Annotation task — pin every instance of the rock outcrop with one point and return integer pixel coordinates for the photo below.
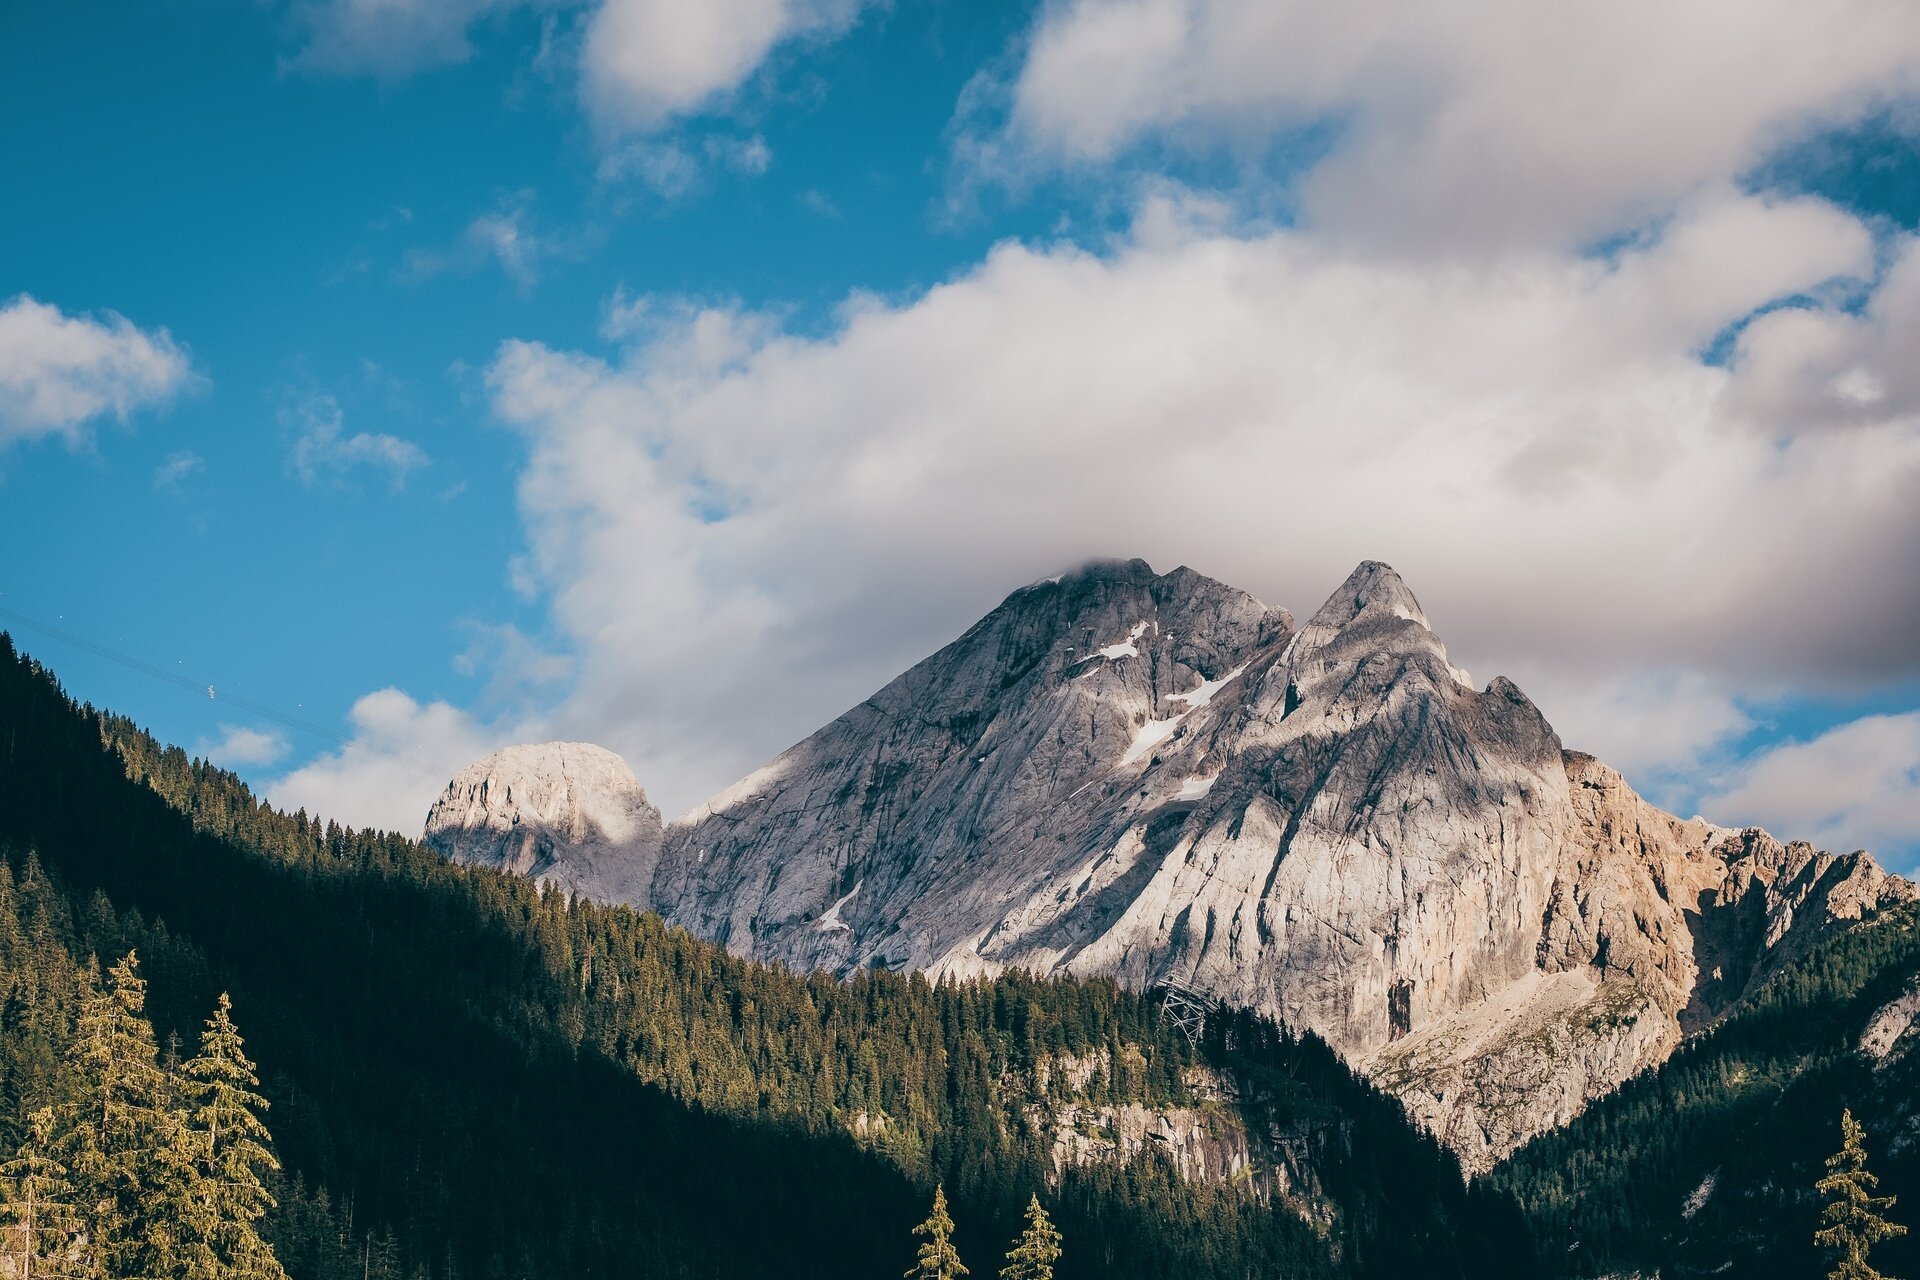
(1656, 928)
(1160, 778)
(565, 813)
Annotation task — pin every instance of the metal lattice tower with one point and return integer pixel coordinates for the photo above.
(1185, 1009)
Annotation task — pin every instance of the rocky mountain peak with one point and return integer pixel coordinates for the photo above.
(1373, 589)
(1372, 618)
(565, 813)
(1152, 776)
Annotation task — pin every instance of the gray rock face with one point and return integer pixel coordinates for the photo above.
(565, 813)
(1158, 777)
(907, 828)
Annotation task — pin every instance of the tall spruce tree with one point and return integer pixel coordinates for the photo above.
(1038, 1248)
(1854, 1217)
(232, 1155)
(42, 1240)
(938, 1259)
(124, 1147)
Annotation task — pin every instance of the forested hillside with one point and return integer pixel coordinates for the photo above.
(471, 1077)
(1709, 1163)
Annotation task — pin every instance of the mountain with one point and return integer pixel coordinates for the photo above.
(1157, 778)
(472, 1075)
(565, 813)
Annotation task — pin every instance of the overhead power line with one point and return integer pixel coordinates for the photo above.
(212, 690)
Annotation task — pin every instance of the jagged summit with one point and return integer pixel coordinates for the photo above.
(1155, 776)
(1372, 589)
(1373, 613)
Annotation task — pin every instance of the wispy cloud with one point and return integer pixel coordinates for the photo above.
(170, 475)
(58, 373)
(507, 236)
(676, 168)
(514, 665)
(322, 452)
(818, 202)
(641, 66)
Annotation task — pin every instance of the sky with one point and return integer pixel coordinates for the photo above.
(385, 381)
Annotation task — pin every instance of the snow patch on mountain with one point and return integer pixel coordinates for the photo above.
(830, 920)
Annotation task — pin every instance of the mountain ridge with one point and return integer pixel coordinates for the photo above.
(1156, 776)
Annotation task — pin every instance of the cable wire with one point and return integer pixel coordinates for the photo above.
(211, 688)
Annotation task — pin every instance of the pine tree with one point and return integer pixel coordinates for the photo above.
(44, 1240)
(232, 1154)
(382, 1258)
(1854, 1216)
(938, 1259)
(124, 1147)
(1037, 1249)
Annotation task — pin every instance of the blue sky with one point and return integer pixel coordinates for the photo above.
(452, 373)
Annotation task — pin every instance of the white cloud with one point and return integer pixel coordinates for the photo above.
(171, 474)
(1657, 726)
(402, 755)
(322, 452)
(646, 62)
(1855, 786)
(238, 747)
(743, 531)
(386, 38)
(819, 203)
(749, 155)
(1493, 122)
(58, 373)
(1804, 366)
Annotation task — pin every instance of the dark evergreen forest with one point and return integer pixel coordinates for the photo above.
(468, 1076)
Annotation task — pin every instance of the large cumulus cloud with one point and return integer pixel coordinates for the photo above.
(744, 531)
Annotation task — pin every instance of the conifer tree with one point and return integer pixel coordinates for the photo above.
(1854, 1217)
(125, 1149)
(36, 1197)
(938, 1258)
(1037, 1249)
(232, 1154)
(381, 1260)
